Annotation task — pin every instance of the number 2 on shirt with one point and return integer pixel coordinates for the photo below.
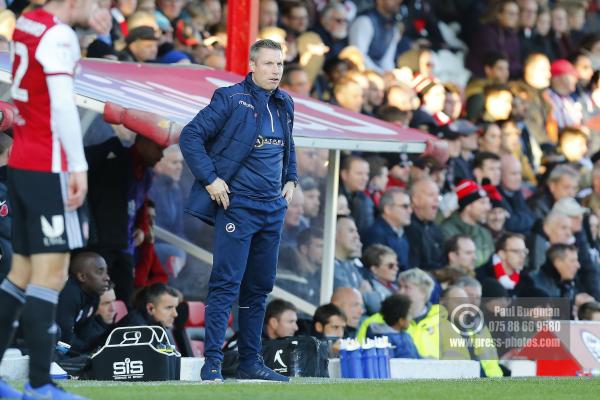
(16, 92)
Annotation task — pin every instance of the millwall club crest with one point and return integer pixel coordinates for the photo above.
(260, 141)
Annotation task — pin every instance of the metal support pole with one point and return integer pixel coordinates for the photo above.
(333, 172)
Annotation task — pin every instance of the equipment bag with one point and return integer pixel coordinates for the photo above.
(139, 353)
(297, 356)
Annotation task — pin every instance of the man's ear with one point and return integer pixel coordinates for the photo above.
(319, 327)
(273, 322)
(252, 66)
(149, 308)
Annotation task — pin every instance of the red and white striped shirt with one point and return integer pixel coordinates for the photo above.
(47, 133)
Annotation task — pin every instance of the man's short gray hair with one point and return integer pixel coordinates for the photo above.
(388, 197)
(326, 13)
(467, 281)
(263, 44)
(562, 170)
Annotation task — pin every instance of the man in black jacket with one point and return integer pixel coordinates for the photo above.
(119, 181)
(424, 236)
(557, 277)
(79, 300)
(521, 218)
(354, 174)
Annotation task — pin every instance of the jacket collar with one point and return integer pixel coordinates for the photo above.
(255, 89)
(551, 271)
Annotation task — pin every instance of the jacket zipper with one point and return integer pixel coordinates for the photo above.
(271, 115)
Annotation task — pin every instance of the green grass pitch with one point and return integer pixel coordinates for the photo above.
(330, 389)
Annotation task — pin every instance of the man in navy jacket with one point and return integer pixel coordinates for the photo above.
(241, 152)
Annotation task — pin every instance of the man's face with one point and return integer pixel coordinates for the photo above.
(473, 294)
(314, 251)
(165, 311)
(468, 143)
(127, 7)
(95, 277)
(479, 209)
(465, 256)
(399, 211)
(499, 72)
(387, 270)
(312, 202)
(499, 105)
(496, 218)
(402, 98)
(295, 210)
(566, 186)
(559, 230)
(560, 23)
(511, 174)
(106, 307)
(352, 306)
(356, 177)
(515, 254)
(336, 23)
(286, 325)
(267, 68)
(491, 170)
(297, 20)
(299, 83)
(452, 105)
(171, 8)
(509, 16)
(426, 201)
(574, 147)
(491, 140)
(389, 6)
(528, 16)
(537, 72)
(434, 100)
(347, 238)
(268, 14)
(144, 50)
(576, 223)
(568, 266)
(171, 165)
(564, 84)
(334, 327)
(350, 97)
(583, 66)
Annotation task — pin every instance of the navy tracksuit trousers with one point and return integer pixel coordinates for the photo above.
(246, 248)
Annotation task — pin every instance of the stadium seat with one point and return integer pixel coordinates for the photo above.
(196, 314)
(120, 309)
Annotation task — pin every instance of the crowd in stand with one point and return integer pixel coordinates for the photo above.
(512, 87)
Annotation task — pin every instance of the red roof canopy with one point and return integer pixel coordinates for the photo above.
(178, 92)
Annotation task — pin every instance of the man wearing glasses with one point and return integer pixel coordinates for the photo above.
(506, 265)
(388, 229)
